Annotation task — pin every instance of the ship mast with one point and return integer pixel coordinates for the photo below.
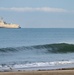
(1, 19)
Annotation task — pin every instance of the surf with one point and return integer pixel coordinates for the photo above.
(50, 48)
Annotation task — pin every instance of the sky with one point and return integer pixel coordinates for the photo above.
(38, 13)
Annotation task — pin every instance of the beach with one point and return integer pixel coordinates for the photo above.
(36, 37)
(51, 72)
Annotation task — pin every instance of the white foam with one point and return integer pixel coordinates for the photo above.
(43, 64)
(37, 65)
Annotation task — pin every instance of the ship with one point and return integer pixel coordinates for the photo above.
(3, 24)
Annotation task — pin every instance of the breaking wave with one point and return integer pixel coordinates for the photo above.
(50, 48)
(36, 65)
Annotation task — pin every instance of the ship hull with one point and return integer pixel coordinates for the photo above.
(10, 26)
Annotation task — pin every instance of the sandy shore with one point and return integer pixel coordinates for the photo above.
(53, 72)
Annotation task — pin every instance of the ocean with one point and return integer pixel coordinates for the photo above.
(36, 48)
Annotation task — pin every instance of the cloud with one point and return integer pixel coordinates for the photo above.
(30, 9)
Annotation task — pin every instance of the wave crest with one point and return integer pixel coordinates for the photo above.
(57, 48)
(50, 48)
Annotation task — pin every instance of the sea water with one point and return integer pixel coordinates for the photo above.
(36, 48)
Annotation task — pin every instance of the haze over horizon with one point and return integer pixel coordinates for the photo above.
(38, 13)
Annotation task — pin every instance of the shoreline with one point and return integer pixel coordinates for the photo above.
(64, 71)
(20, 70)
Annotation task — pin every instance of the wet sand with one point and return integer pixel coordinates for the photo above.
(52, 72)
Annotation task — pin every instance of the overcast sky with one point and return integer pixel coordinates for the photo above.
(38, 13)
